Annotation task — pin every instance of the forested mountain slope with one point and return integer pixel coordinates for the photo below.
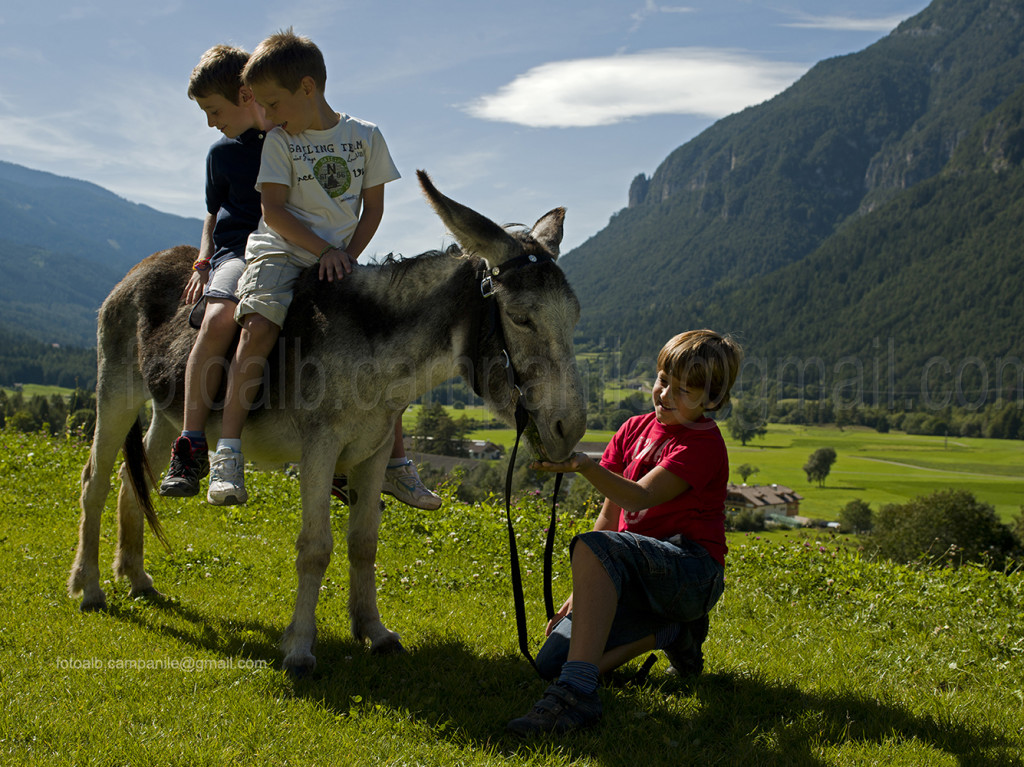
(872, 206)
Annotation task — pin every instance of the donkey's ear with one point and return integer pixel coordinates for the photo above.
(476, 234)
(548, 230)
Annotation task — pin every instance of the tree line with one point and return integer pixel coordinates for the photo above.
(57, 415)
(26, 361)
(1002, 419)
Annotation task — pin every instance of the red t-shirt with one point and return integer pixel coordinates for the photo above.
(694, 452)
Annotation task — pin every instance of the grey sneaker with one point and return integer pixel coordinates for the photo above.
(404, 483)
(227, 478)
(561, 709)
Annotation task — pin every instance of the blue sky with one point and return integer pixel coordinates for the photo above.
(513, 108)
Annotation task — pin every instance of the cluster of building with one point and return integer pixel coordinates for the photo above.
(778, 503)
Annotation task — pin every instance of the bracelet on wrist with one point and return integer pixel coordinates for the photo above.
(201, 264)
(325, 251)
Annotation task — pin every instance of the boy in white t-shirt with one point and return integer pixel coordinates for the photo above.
(321, 179)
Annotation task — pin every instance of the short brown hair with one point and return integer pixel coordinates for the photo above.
(286, 58)
(703, 359)
(219, 71)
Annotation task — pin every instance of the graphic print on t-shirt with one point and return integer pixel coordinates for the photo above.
(333, 175)
(645, 457)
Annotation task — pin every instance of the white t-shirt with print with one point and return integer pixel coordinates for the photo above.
(325, 172)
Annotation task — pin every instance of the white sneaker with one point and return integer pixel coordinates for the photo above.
(227, 478)
(404, 483)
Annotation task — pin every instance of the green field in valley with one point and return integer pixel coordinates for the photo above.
(877, 468)
(31, 390)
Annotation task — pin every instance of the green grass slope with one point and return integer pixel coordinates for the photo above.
(816, 656)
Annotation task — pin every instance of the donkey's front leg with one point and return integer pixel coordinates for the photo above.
(314, 548)
(363, 527)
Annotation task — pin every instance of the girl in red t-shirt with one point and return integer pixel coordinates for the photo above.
(653, 566)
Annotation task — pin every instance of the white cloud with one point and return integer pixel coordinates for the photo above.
(603, 91)
(651, 8)
(847, 23)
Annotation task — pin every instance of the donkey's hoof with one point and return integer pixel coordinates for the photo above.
(94, 604)
(389, 645)
(149, 594)
(299, 668)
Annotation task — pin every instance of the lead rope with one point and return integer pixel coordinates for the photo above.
(522, 417)
(487, 288)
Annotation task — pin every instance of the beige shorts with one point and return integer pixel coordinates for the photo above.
(266, 287)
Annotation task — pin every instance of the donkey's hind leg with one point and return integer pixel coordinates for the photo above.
(113, 421)
(128, 559)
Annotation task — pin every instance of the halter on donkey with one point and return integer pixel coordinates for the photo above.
(353, 354)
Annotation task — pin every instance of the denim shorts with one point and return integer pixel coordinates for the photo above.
(221, 284)
(223, 280)
(659, 583)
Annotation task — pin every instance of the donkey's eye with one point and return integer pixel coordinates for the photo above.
(521, 320)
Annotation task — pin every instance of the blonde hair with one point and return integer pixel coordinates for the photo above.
(702, 359)
(286, 58)
(219, 71)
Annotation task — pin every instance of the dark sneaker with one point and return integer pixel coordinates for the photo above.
(561, 709)
(339, 488)
(185, 471)
(685, 654)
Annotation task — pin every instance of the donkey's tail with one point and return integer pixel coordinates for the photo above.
(140, 474)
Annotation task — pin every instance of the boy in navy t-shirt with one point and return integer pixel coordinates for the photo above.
(233, 211)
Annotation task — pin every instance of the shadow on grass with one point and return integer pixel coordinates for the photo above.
(192, 626)
(452, 693)
(716, 719)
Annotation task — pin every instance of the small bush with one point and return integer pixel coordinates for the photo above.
(748, 521)
(949, 526)
(856, 517)
(23, 422)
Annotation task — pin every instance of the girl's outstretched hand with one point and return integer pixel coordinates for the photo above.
(575, 462)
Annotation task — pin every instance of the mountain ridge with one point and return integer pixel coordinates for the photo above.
(65, 243)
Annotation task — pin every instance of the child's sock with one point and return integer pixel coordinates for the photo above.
(394, 463)
(579, 675)
(233, 444)
(666, 636)
(197, 439)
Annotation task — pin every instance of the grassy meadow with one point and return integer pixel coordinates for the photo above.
(31, 390)
(816, 656)
(884, 468)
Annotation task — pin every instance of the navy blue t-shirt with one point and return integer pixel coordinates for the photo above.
(232, 165)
